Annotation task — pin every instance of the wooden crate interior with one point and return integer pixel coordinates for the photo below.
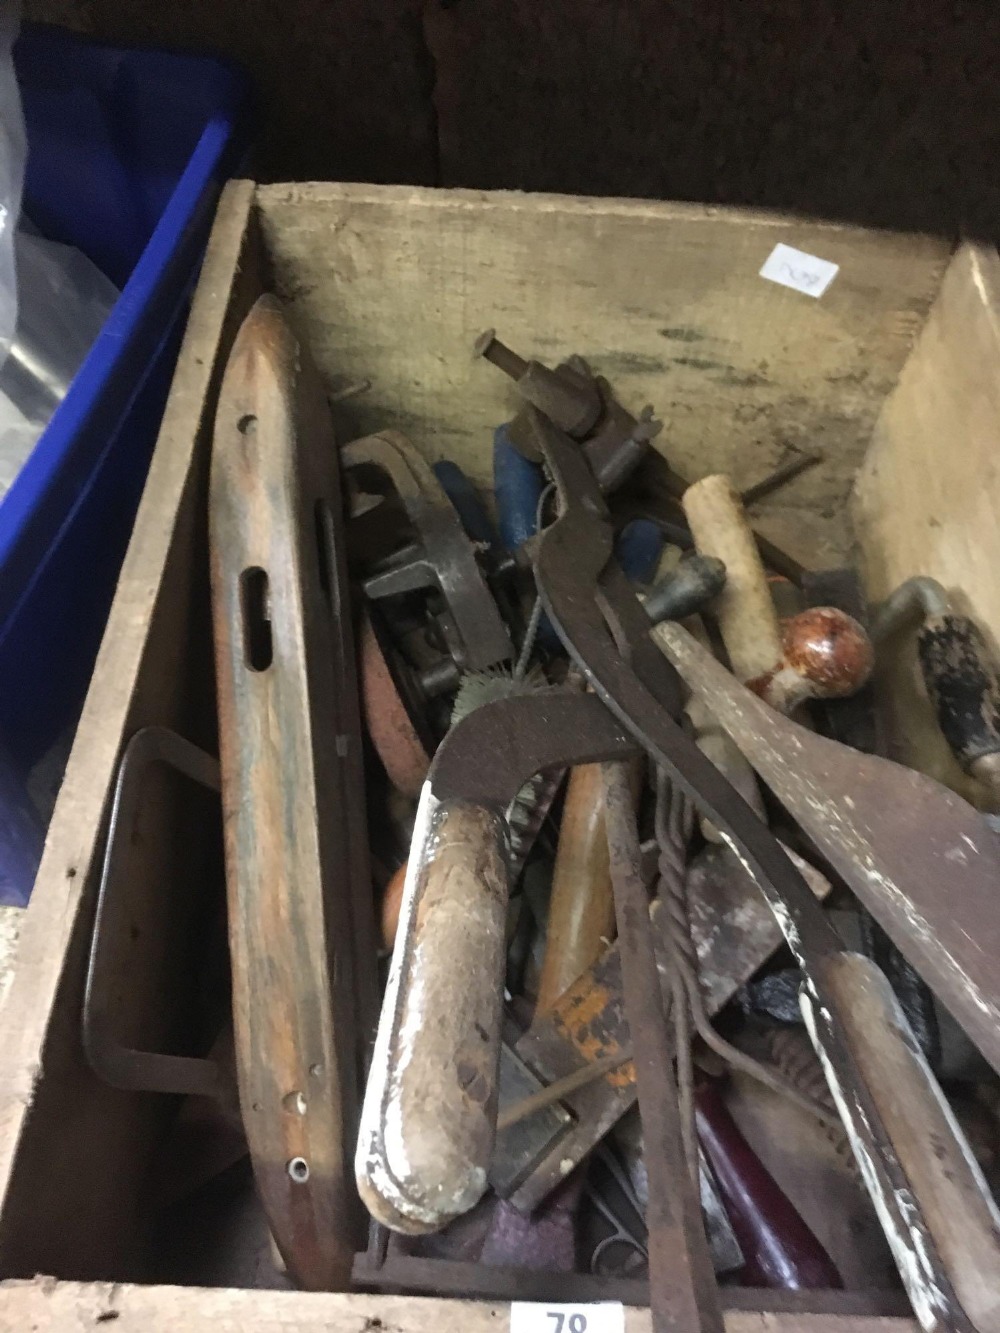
(392, 285)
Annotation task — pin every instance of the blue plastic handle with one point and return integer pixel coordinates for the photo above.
(638, 548)
(518, 484)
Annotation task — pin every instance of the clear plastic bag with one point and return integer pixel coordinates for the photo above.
(64, 301)
(13, 151)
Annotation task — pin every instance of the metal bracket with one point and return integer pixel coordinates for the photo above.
(117, 1063)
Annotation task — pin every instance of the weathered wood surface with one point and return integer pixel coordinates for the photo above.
(73, 1152)
(46, 1306)
(301, 933)
(393, 285)
(928, 495)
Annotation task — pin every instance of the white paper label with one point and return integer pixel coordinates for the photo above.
(794, 268)
(582, 1317)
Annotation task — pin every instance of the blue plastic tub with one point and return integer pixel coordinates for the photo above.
(128, 151)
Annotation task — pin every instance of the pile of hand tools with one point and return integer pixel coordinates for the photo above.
(612, 785)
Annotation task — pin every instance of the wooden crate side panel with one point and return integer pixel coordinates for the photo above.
(72, 1150)
(44, 1305)
(928, 497)
(666, 299)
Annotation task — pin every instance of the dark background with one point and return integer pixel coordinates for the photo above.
(883, 114)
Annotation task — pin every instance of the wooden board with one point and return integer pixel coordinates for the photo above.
(71, 1307)
(72, 1150)
(665, 299)
(928, 496)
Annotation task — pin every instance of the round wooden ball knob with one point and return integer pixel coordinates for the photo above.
(392, 901)
(829, 650)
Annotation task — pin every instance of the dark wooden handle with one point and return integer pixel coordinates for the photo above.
(428, 1122)
(962, 682)
(778, 1247)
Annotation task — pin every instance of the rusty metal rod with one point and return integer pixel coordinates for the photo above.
(683, 1294)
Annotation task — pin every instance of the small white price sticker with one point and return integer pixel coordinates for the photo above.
(794, 268)
(541, 1317)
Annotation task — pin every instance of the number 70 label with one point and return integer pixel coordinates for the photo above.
(548, 1317)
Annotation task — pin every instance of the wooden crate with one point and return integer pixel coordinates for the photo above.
(892, 371)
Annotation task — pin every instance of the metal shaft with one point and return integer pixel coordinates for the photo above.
(682, 1288)
(489, 346)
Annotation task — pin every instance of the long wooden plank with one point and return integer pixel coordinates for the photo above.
(72, 1307)
(393, 285)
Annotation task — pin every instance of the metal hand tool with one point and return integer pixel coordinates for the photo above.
(893, 835)
(734, 934)
(727, 1257)
(601, 622)
(622, 1236)
(581, 404)
(441, 557)
(430, 1106)
(301, 915)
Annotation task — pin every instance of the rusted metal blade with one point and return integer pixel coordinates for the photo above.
(920, 858)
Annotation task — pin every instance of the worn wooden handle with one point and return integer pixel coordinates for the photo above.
(943, 1176)
(581, 909)
(429, 1116)
(747, 618)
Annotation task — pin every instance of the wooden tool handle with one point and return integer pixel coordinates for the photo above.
(779, 1250)
(581, 908)
(747, 618)
(943, 1177)
(428, 1121)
